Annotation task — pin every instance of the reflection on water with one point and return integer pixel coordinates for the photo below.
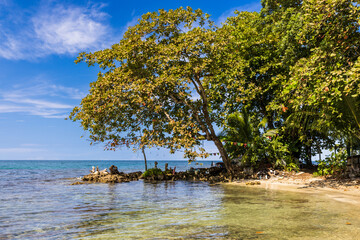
(41, 208)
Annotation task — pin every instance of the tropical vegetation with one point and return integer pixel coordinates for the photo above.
(282, 82)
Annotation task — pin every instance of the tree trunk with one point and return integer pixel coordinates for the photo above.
(223, 154)
(210, 130)
(143, 151)
(308, 156)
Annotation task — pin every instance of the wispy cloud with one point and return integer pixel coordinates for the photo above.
(21, 150)
(39, 87)
(55, 29)
(253, 7)
(41, 99)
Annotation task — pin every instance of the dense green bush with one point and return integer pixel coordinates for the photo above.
(152, 172)
(333, 165)
(263, 146)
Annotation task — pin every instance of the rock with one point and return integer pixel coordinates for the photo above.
(77, 183)
(114, 170)
(212, 175)
(160, 177)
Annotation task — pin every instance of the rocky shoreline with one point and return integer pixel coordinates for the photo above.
(218, 174)
(215, 174)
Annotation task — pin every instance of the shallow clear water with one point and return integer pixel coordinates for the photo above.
(41, 204)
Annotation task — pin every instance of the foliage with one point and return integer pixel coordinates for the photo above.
(152, 172)
(267, 49)
(257, 148)
(238, 128)
(292, 167)
(161, 79)
(333, 165)
(284, 81)
(256, 62)
(325, 80)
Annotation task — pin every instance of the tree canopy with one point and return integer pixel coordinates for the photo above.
(175, 78)
(160, 80)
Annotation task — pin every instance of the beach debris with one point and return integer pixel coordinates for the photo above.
(259, 232)
(348, 223)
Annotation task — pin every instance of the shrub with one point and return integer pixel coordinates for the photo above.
(333, 165)
(152, 172)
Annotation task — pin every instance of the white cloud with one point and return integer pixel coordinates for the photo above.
(70, 29)
(54, 29)
(10, 47)
(41, 99)
(253, 7)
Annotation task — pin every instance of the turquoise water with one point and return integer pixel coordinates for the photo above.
(84, 165)
(38, 202)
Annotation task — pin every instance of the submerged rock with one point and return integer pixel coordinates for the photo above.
(77, 183)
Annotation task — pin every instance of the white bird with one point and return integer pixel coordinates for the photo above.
(92, 170)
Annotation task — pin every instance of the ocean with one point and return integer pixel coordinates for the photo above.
(37, 201)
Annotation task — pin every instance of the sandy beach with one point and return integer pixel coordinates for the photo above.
(340, 190)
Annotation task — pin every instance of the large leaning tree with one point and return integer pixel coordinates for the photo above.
(160, 86)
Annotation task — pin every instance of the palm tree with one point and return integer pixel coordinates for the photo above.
(245, 140)
(239, 129)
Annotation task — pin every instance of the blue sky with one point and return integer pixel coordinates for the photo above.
(40, 83)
